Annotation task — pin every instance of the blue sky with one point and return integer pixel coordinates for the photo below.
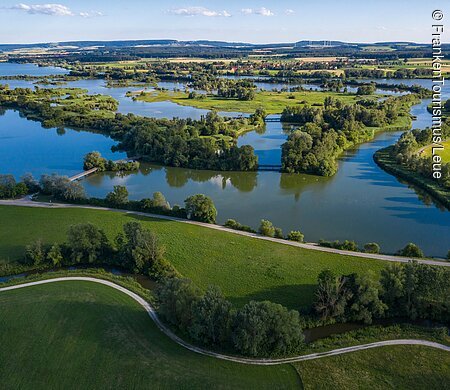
(244, 20)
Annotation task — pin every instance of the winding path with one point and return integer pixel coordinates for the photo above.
(154, 316)
(27, 202)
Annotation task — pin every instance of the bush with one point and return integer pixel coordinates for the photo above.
(371, 247)
(278, 233)
(295, 236)
(344, 245)
(36, 253)
(411, 250)
(117, 197)
(201, 208)
(266, 329)
(266, 228)
(232, 224)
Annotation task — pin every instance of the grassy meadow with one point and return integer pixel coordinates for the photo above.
(82, 335)
(243, 267)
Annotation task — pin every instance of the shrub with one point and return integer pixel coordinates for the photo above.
(232, 224)
(117, 197)
(371, 247)
(278, 233)
(295, 236)
(411, 250)
(201, 208)
(35, 252)
(266, 228)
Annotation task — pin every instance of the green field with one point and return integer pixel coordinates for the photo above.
(273, 102)
(445, 154)
(396, 367)
(81, 335)
(243, 267)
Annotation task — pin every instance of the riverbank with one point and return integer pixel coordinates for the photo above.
(384, 160)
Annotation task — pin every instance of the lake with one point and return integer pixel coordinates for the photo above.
(361, 202)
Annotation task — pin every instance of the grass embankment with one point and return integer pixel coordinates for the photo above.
(76, 335)
(384, 159)
(272, 102)
(243, 267)
(444, 153)
(396, 367)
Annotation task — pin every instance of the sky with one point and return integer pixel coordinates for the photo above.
(252, 21)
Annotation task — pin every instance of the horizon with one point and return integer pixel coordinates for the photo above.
(249, 21)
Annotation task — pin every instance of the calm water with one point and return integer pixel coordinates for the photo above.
(360, 202)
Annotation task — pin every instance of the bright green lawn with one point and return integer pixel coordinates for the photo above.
(445, 154)
(273, 102)
(396, 367)
(244, 268)
(81, 335)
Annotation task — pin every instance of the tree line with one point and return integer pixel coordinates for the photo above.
(324, 132)
(208, 143)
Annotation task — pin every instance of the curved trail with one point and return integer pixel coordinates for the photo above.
(154, 316)
(26, 202)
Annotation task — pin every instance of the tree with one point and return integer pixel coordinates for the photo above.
(31, 183)
(266, 228)
(201, 208)
(331, 295)
(278, 233)
(295, 236)
(411, 250)
(55, 256)
(118, 196)
(176, 298)
(140, 250)
(35, 252)
(371, 247)
(265, 329)
(160, 201)
(212, 318)
(87, 243)
(363, 303)
(367, 89)
(94, 160)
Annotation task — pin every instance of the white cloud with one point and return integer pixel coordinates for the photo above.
(198, 11)
(289, 12)
(263, 11)
(52, 10)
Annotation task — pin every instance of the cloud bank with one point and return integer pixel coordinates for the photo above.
(198, 11)
(51, 9)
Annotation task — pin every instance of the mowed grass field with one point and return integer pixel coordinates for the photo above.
(445, 153)
(244, 268)
(397, 367)
(82, 335)
(273, 102)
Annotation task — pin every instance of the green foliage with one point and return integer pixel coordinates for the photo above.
(36, 253)
(278, 233)
(140, 251)
(372, 247)
(232, 224)
(87, 243)
(94, 160)
(176, 298)
(200, 208)
(411, 250)
(212, 318)
(295, 236)
(266, 329)
(62, 188)
(344, 245)
(117, 197)
(55, 255)
(266, 228)
(417, 291)
(9, 188)
(366, 89)
(323, 133)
